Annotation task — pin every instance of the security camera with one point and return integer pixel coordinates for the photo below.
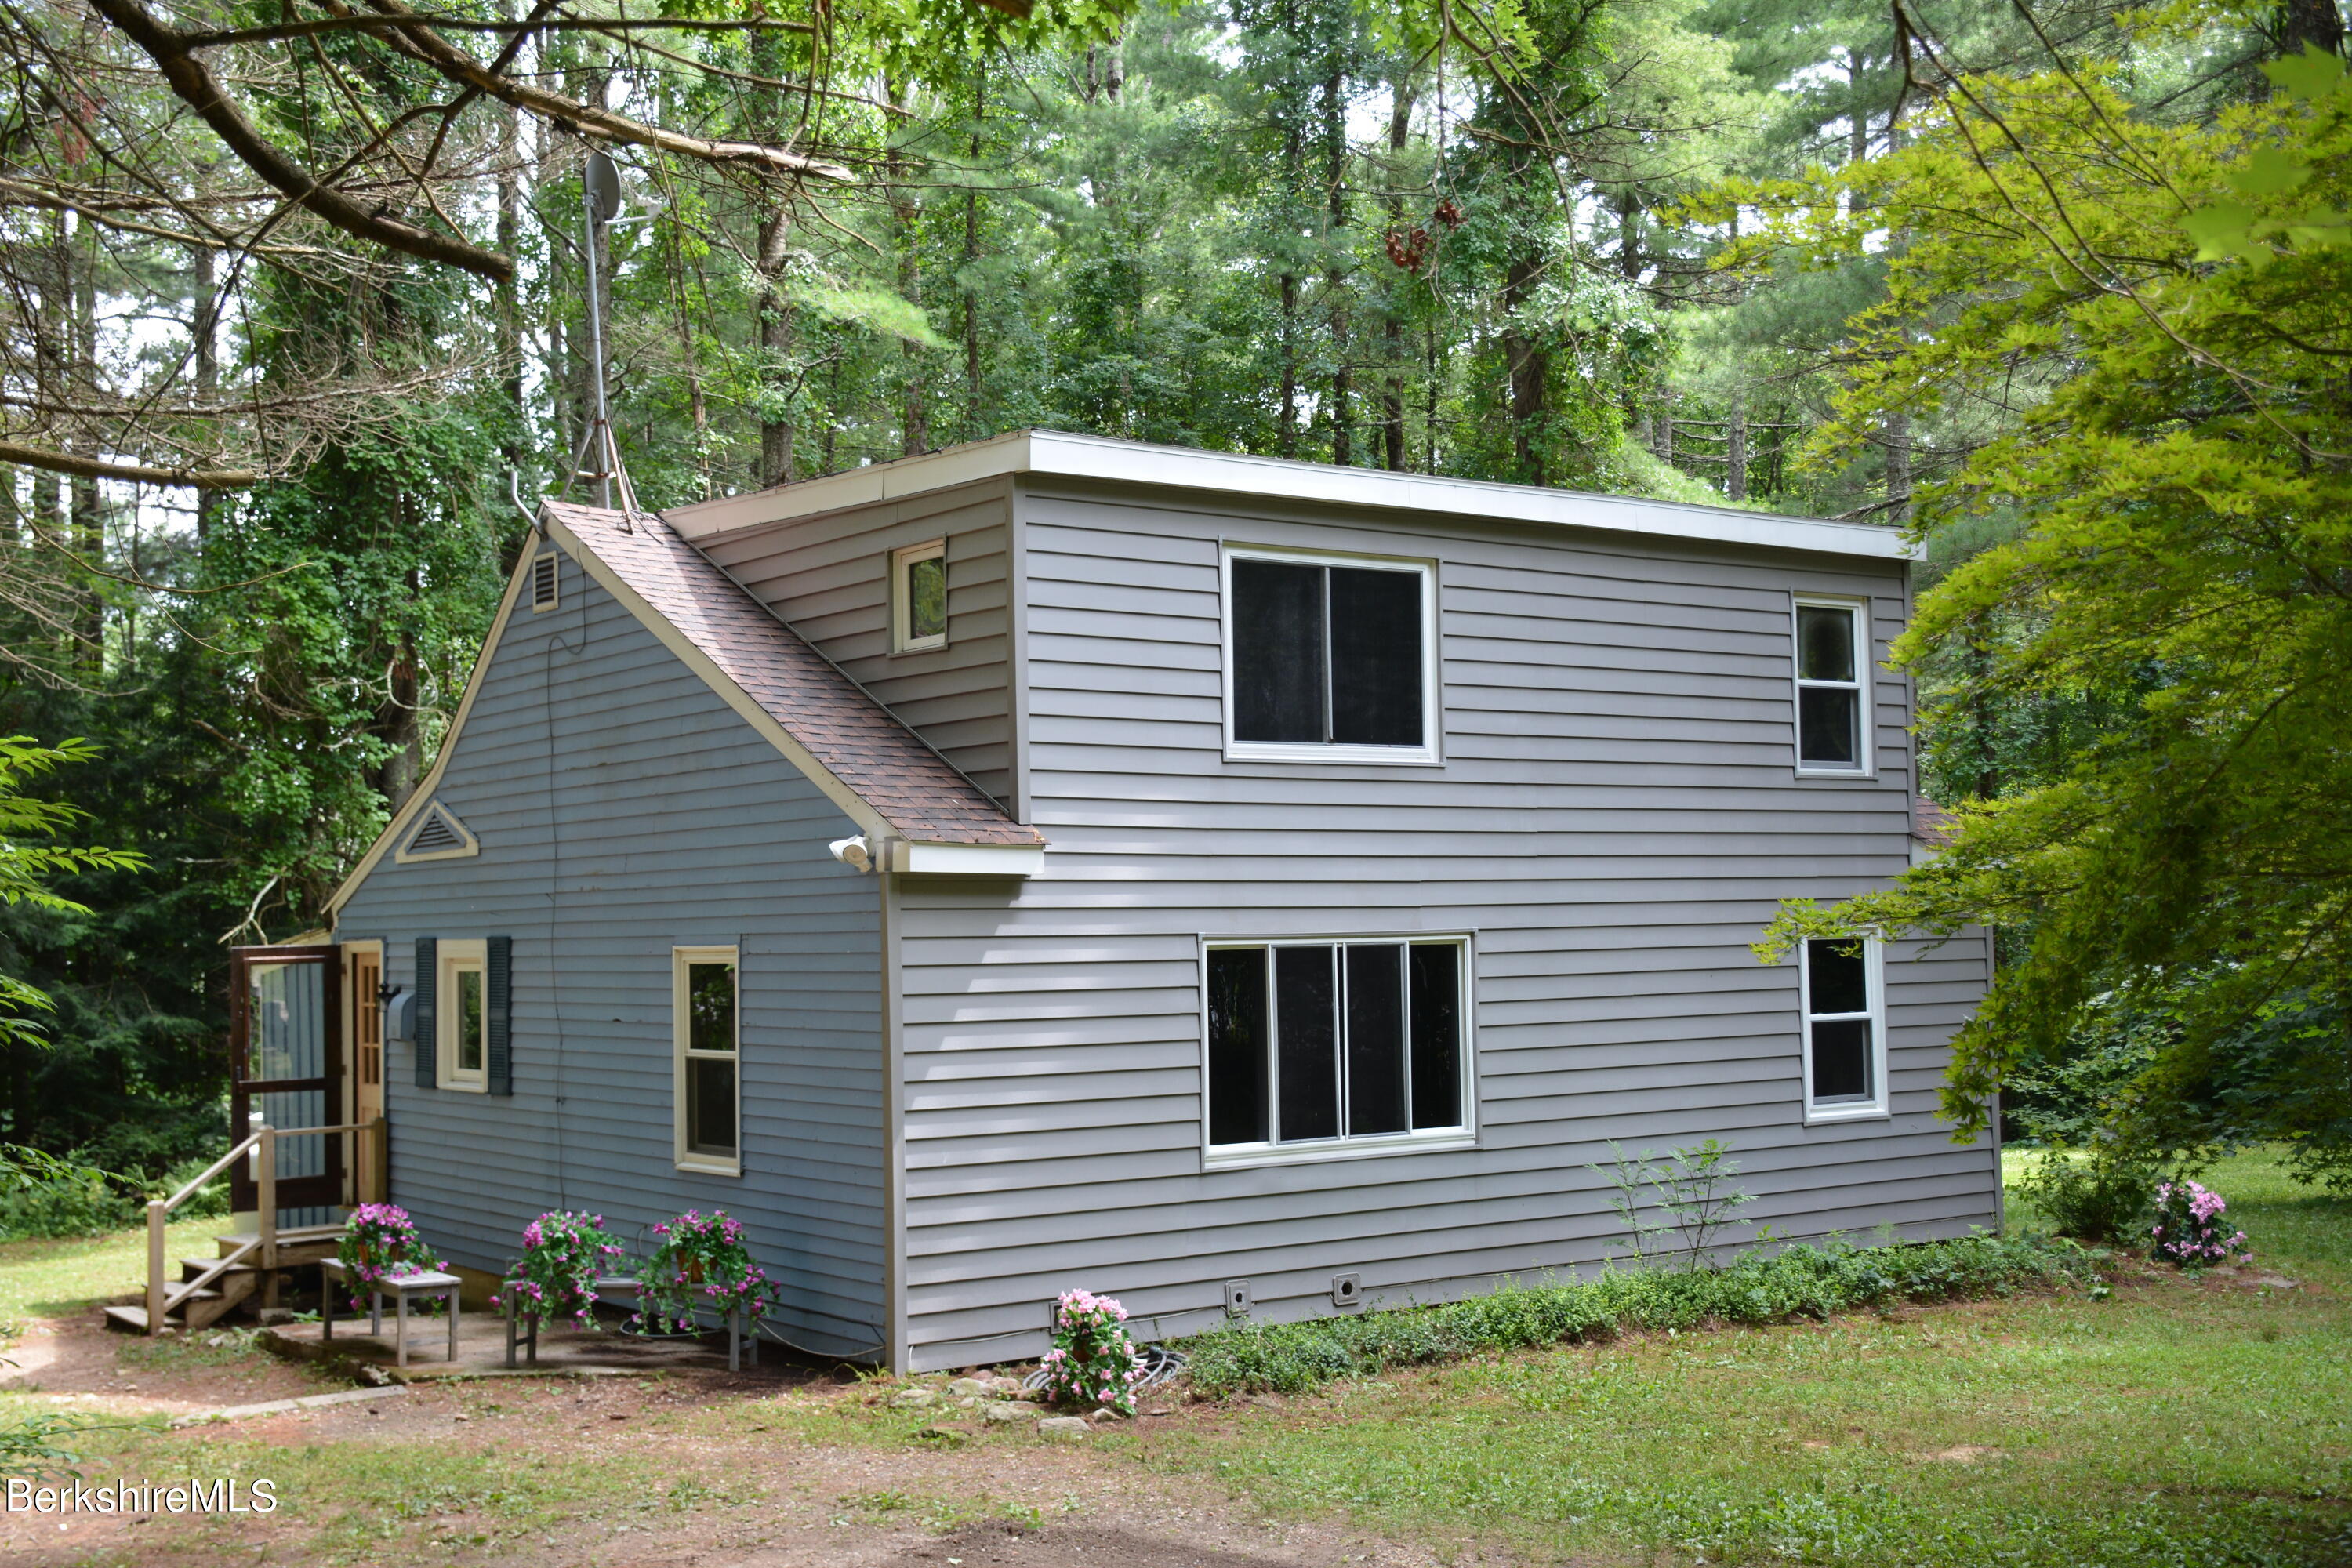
(854, 853)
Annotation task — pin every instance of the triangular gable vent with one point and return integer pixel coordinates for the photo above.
(437, 836)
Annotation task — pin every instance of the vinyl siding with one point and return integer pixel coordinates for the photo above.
(624, 809)
(1614, 818)
(829, 577)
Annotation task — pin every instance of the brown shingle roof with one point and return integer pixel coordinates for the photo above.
(849, 733)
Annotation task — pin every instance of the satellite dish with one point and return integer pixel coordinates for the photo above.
(601, 185)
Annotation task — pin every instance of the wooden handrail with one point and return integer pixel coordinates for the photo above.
(262, 1141)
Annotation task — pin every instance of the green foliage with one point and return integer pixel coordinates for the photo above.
(1692, 1185)
(29, 1448)
(2103, 1194)
(45, 1196)
(1799, 1282)
(27, 867)
(2182, 573)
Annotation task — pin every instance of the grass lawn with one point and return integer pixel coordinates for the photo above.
(2183, 1423)
(2179, 1423)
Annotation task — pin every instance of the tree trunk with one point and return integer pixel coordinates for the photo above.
(203, 331)
(87, 524)
(915, 416)
(1335, 260)
(777, 427)
(1529, 369)
(2302, 23)
(509, 290)
(1735, 453)
(1392, 327)
(974, 385)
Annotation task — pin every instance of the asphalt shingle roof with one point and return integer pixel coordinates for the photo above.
(860, 741)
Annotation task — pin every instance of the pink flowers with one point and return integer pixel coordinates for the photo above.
(2186, 1231)
(380, 1242)
(702, 1260)
(555, 1278)
(1092, 1360)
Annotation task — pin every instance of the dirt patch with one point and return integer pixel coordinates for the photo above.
(1080, 1546)
(76, 1362)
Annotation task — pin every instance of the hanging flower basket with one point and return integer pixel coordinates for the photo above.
(554, 1280)
(701, 1265)
(380, 1242)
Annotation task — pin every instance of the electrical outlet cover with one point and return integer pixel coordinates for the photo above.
(1237, 1297)
(1347, 1290)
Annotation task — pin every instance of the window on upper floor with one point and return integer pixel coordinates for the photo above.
(1321, 1047)
(1329, 659)
(918, 597)
(1845, 1029)
(1833, 687)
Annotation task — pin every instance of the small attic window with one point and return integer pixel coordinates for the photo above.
(437, 836)
(918, 597)
(542, 583)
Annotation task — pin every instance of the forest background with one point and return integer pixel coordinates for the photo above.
(271, 379)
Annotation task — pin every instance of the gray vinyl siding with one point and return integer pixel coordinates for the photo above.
(1614, 818)
(829, 577)
(673, 824)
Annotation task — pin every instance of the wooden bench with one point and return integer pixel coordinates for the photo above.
(335, 1274)
(524, 1329)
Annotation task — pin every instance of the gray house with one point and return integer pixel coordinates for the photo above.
(1060, 861)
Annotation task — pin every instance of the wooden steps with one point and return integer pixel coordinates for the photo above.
(232, 1287)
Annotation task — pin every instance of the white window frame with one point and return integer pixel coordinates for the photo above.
(902, 598)
(1865, 763)
(553, 562)
(685, 1159)
(1226, 1156)
(453, 957)
(1874, 970)
(1427, 755)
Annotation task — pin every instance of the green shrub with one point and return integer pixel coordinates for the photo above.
(43, 1195)
(1800, 1282)
(2102, 1196)
(207, 1201)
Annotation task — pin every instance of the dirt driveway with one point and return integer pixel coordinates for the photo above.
(800, 1467)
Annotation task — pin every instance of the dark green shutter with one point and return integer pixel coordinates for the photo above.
(428, 1038)
(498, 983)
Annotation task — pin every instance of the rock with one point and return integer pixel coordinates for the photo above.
(915, 1398)
(1064, 1429)
(1012, 1410)
(376, 1376)
(970, 1387)
(2270, 1282)
(270, 1317)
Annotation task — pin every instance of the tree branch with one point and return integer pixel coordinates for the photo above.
(137, 473)
(193, 81)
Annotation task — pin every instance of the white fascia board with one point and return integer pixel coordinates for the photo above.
(965, 859)
(1099, 457)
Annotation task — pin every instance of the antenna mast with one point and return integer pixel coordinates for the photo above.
(600, 190)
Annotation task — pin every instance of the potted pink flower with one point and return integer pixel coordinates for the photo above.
(1094, 1361)
(563, 1256)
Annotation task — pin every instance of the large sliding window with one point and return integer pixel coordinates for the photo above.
(1329, 660)
(1321, 1046)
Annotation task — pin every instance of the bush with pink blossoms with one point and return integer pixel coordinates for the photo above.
(2189, 1229)
(701, 1263)
(563, 1254)
(1093, 1363)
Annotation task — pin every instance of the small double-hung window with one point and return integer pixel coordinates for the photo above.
(1845, 1029)
(1329, 660)
(708, 1088)
(1833, 687)
(1321, 1047)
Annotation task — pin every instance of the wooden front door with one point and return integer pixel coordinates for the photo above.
(285, 1062)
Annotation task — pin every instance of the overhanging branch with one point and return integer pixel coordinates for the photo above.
(137, 473)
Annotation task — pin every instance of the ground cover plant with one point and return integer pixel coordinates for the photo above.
(1814, 1282)
(2194, 1421)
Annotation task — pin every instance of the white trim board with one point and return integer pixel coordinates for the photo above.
(1056, 454)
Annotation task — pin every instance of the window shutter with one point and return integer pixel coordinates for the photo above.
(498, 983)
(429, 1035)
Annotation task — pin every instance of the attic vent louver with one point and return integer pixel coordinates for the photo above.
(437, 836)
(542, 584)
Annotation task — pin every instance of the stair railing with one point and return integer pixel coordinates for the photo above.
(261, 1145)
